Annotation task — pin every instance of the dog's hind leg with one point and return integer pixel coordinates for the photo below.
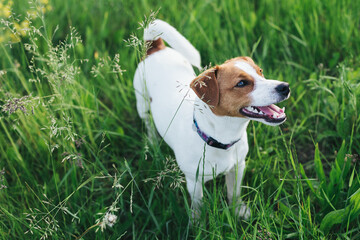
(143, 101)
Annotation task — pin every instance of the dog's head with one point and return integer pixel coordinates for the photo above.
(238, 88)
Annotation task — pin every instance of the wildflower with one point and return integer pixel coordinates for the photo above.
(172, 171)
(6, 9)
(353, 157)
(109, 219)
(14, 104)
(2, 179)
(22, 28)
(79, 142)
(2, 72)
(14, 38)
(31, 14)
(74, 158)
(40, 221)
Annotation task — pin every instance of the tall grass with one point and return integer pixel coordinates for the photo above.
(74, 158)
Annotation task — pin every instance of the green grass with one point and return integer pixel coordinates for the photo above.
(75, 148)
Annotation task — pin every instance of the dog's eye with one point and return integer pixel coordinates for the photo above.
(242, 83)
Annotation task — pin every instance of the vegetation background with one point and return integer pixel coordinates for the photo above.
(74, 159)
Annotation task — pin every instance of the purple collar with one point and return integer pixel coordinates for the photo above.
(211, 141)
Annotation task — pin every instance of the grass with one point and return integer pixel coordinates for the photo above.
(73, 150)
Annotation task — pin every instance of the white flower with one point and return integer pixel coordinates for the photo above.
(109, 219)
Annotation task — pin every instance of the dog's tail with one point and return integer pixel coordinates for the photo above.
(160, 29)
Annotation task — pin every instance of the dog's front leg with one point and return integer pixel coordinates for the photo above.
(233, 183)
(196, 193)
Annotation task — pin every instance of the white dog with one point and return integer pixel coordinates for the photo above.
(205, 124)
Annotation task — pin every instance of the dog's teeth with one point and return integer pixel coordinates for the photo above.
(283, 109)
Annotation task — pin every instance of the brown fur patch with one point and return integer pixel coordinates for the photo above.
(155, 46)
(217, 87)
(232, 98)
(206, 86)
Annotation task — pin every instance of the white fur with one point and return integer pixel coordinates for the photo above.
(164, 77)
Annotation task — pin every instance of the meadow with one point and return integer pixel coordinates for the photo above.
(75, 162)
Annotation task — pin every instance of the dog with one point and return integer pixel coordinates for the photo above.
(204, 118)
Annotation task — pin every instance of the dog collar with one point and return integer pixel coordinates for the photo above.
(211, 141)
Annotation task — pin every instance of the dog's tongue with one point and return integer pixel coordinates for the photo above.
(271, 109)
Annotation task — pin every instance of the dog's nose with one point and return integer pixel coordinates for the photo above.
(283, 89)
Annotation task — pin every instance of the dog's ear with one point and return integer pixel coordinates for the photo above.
(206, 86)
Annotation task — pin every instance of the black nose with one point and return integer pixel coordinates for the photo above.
(283, 89)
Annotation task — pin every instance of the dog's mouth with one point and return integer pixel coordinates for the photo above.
(271, 113)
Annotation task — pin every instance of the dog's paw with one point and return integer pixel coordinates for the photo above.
(194, 218)
(195, 214)
(243, 211)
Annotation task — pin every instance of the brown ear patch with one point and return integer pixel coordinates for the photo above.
(206, 86)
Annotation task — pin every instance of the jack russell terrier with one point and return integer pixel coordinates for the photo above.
(205, 125)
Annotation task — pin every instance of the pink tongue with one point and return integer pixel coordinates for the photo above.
(271, 109)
